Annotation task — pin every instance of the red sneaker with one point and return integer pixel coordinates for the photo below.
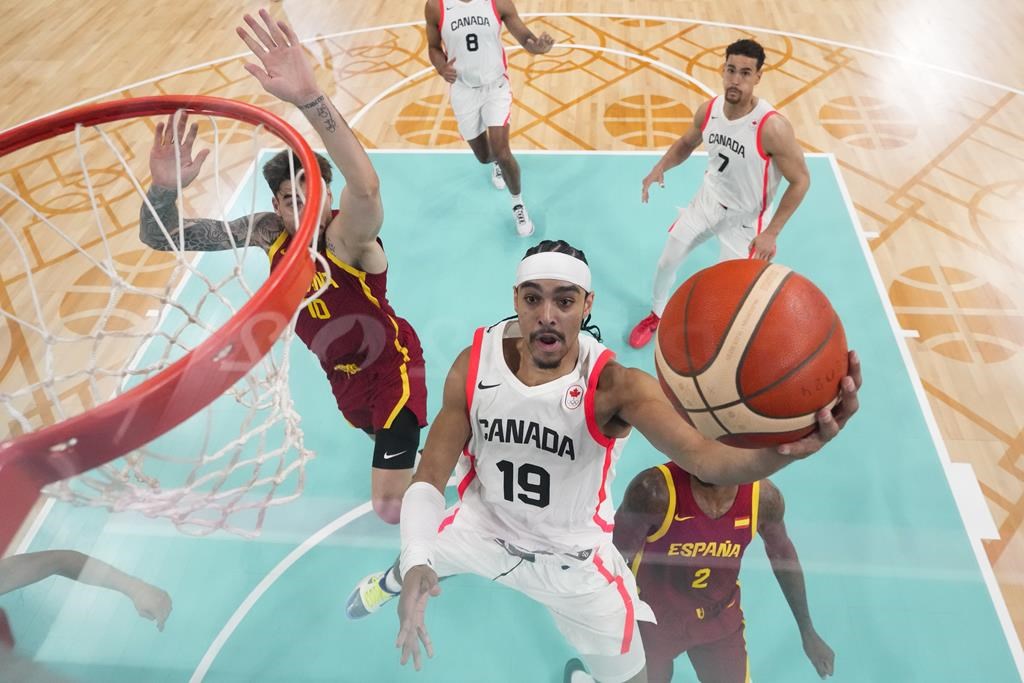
(643, 331)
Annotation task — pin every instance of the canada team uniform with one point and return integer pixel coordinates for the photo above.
(481, 95)
(688, 571)
(372, 357)
(734, 201)
(535, 510)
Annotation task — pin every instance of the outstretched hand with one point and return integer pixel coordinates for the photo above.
(418, 585)
(539, 46)
(830, 421)
(163, 160)
(286, 72)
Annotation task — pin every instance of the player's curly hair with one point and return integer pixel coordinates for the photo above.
(277, 171)
(747, 48)
(563, 247)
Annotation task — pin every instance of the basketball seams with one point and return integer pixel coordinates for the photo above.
(695, 372)
(814, 354)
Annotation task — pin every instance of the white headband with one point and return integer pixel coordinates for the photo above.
(553, 265)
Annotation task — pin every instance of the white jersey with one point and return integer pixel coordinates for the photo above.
(536, 472)
(471, 32)
(739, 173)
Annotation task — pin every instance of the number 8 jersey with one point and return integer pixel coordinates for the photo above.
(471, 32)
(536, 471)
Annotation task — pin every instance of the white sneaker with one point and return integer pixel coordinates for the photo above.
(497, 178)
(524, 226)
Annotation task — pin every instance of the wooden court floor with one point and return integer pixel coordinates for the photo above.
(921, 103)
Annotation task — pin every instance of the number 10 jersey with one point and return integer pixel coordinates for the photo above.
(536, 471)
(471, 32)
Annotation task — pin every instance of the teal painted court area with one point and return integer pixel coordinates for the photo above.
(893, 582)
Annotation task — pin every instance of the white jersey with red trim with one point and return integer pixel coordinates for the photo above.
(471, 32)
(536, 471)
(739, 173)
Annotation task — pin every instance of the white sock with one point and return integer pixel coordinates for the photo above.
(389, 583)
(517, 199)
(581, 677)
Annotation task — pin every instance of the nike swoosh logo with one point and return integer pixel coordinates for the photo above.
(481, 385)
(683, 519)
(388, 456)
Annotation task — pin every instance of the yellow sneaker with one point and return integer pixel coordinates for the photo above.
(368, 596)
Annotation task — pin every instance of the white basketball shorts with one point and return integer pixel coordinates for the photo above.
(477, 109)
(705, 217)
(594, 600)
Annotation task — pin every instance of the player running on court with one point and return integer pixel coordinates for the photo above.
(464, 39)
(749, 145)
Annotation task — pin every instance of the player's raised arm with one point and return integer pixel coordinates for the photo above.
(532, 43)
(173, 145)
(641, 403)
(780, 143)
(790, 575)
(641, 512)
(679, 152)
(287, 74)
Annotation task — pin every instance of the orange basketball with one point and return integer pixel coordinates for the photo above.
(748, 351)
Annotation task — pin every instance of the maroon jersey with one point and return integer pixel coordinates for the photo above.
(360, 341)
(6, 637)
(687, 570)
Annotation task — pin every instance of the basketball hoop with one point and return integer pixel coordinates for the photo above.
(135, 416)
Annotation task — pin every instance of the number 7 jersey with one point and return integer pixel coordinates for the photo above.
(536, 471)
(471, 32)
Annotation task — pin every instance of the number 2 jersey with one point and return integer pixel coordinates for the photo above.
(537, 471)
(741, 175)
(688, 569)
(471, 32)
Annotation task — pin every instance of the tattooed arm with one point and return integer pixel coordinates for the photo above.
(287, 74)
(202, 234)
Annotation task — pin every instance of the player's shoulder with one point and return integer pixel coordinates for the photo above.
(267, 229)
(647, 491)
(771, 505)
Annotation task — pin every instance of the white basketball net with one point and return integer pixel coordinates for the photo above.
(130, 314)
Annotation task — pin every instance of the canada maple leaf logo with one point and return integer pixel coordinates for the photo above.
(575, 392)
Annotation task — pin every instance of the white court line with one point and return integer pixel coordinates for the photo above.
(541, 15)
(968, 492)
(985, 568)
(560, 152)
(910, 334)
(594, 48)
(263, 586)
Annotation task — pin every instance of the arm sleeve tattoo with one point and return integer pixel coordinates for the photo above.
(201, 234)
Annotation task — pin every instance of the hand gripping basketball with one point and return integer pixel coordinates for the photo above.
(830, 421)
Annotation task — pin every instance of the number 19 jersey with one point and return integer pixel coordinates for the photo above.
(471, 32)
(539, 469)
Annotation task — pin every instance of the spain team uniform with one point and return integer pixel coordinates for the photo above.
(688, 571)
(481, 95)
(535, 510)
(740, 181)
(372, 357)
